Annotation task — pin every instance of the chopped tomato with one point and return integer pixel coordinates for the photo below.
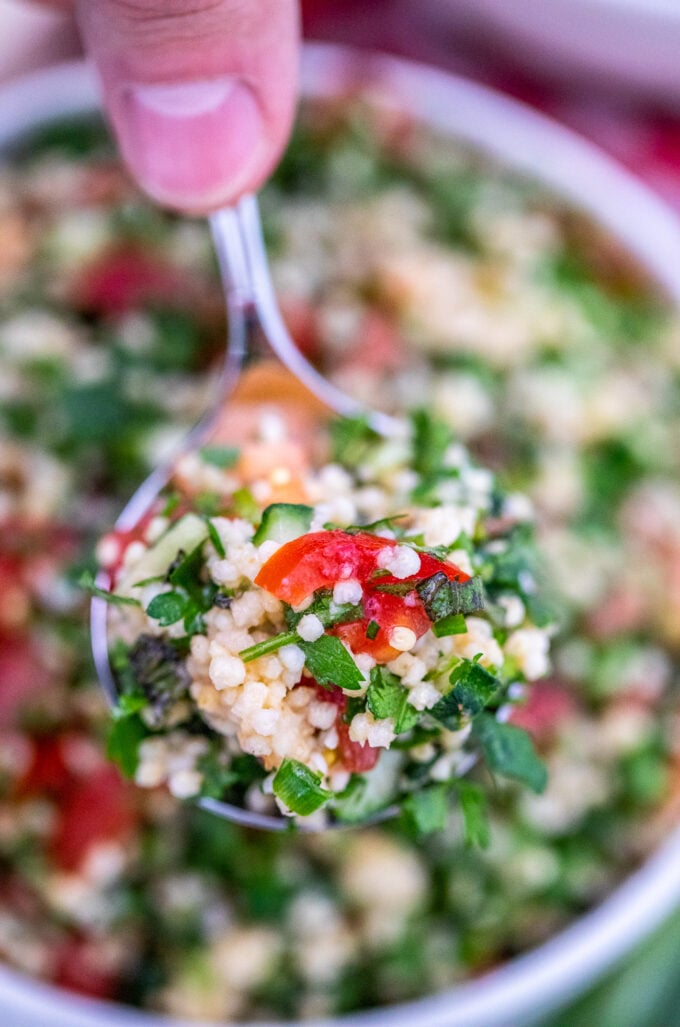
(548, 705)
(123, 279)
(79, 967)
(322, 558)
(96, 808)
(355, 757)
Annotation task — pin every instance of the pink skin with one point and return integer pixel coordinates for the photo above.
(200, 93)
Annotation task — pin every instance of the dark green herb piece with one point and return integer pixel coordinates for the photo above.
(122, 746)
(426, 811)
(328, 612)
(387, 697)
(220, 456)
(442, 597)
(372, 629)
(431, 439)
(159, 673)
(329, 663)
(472, 690)
(167, 608)
(509, 751)
(474, 809)
(453, 624)
(351, 440)
(87, 583)
(214, 536)
(384, 522)
(299, 788)
(270, 645)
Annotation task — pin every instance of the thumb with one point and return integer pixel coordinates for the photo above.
(200, 93)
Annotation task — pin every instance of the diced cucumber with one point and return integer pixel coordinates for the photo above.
(185, 534)
(282, 522)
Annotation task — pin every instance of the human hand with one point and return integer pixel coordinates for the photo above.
(200, 93)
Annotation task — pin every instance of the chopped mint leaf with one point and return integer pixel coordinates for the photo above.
(509, 751)
(473, 807)
(270, 645)
(372, 629)
(453, 624)
(126, 733)
(299, 788)
(87, 583)
(167, 608)
(220, 456)
(214, 536)
(329, 663)
(442, 597)
(387, 697)
(426, 811)
(157, 670)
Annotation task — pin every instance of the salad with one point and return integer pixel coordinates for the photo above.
(358, 646)
(408, 270)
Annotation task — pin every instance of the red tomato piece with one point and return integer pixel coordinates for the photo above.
(97, 808)
(126, 278)
(78, 967)
(548, 704)
(356, 758)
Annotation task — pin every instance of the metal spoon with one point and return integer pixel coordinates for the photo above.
(257, 337)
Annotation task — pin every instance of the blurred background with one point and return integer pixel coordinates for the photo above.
(607, 68)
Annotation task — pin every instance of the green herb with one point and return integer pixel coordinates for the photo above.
(244, 505)
(387, 697)
(299, 788)
(351, 440)
(442, 597)
(214, 537)
(172, 501)
(220, 456)
(430, 439)
(270, 645)
(473, 689)
(87, 583)
(385, 522)
(426, 811)
(474, 809)
(509, 751)
(218, 773)
(328, 611)
(125, 736)
(453, 624)
(167, 608)
(329, 663)
(372, 629)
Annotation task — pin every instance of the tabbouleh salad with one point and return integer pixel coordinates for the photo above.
(407, 268)
(360, 635)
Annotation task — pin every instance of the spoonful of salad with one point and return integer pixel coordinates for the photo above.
(305, 615)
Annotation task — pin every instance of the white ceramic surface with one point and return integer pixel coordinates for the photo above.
(526, 988)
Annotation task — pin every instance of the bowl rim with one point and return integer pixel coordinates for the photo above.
(540, 980)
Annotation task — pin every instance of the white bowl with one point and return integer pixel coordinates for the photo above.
(529, 986)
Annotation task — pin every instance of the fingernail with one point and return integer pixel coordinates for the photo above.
(190, 144)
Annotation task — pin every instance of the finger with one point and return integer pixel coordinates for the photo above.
(200, 93)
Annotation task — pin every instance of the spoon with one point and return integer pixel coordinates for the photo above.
(260, 354)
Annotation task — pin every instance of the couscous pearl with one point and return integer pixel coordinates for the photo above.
(402, 639)
(349, 591)
(227, 672)
(400, 561)
(310, 628)
(184, 784)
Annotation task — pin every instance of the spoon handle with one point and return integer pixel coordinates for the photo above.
(251, 301)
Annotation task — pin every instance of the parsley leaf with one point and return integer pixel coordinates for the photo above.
(431, 439)
(86, 582)
(299, 787)
(328, 611)
(509, 751)
(474, 810)
(270, 645)
(167, 608)
(125, 736)
(452, 624)
(426, 811)
(329, 663)
(473, 689)
(220, 456)
(387, 697)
